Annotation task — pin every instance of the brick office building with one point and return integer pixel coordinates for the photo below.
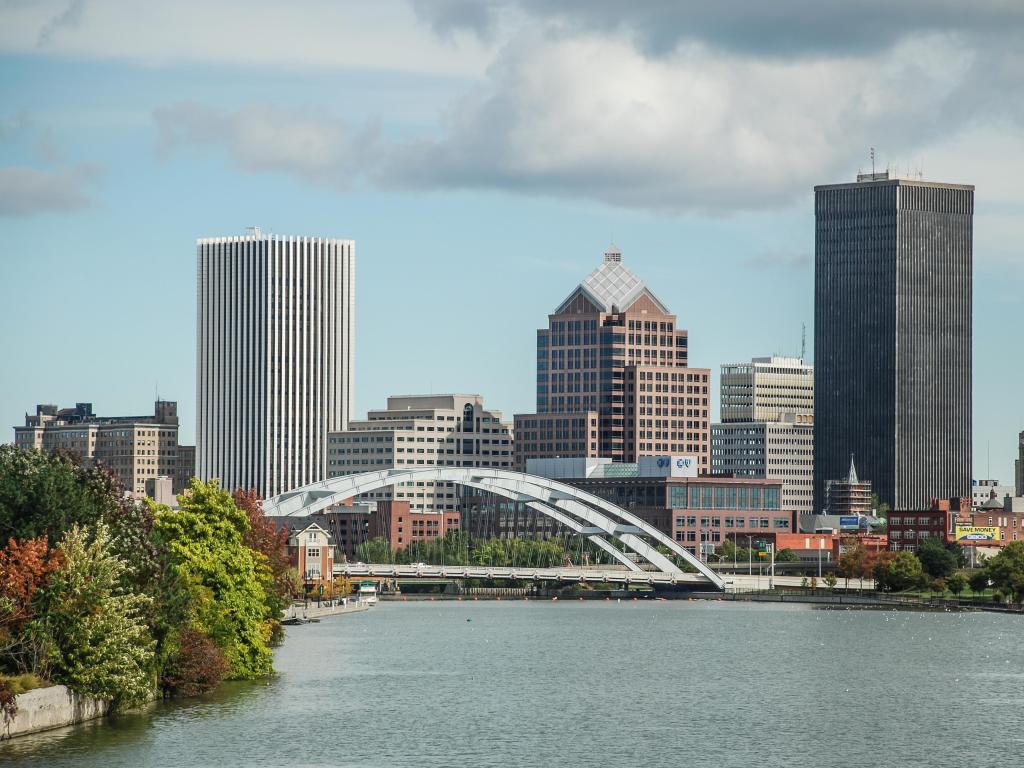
(908, 529)
(613, 377)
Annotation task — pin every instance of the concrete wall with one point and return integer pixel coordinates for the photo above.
(52, 707)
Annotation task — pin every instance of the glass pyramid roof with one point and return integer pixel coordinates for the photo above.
(612, 287)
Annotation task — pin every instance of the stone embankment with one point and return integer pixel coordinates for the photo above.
(53, 707)
(314, 611)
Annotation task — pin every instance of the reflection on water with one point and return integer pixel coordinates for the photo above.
(590, 684)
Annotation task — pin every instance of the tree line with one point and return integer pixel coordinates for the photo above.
(122, 599)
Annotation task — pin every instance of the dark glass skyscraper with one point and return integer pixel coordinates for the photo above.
(892, 337)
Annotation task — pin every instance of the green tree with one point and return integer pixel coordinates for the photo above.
(223, 578)
(1006, 570)
(978, 581)
(905, 571)
(936, 560)
(374, 551)
(46, 493)
(786, 556)
(93, 631)
(830, 580)
(957, 583)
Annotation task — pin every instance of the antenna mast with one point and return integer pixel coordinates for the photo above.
(872, 162)
(803, 342)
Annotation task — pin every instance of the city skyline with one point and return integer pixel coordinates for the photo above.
(116, 155)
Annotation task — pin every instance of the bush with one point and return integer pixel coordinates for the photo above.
(197, 667)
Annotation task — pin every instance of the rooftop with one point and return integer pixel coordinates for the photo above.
(612, 287)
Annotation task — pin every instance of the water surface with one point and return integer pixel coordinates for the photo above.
(594, 684)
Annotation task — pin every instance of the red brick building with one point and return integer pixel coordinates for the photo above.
(907, 530)
(311, 552)
(400, 527)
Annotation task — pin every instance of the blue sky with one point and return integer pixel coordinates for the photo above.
(481, 154)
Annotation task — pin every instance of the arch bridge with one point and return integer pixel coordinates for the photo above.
(599, 520)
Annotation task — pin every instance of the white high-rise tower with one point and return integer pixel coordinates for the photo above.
(275, 329)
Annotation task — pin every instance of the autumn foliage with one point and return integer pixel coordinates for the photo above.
(25, 568)
(197, 668)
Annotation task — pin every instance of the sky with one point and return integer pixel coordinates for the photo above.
(482, 154)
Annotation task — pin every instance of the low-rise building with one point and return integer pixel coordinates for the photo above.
(1005, 514)
(664, 491)
(136, 449)
(311, 551)
(420, 431)
(984, 490)
(907, 529)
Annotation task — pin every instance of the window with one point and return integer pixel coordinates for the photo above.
(312, 552)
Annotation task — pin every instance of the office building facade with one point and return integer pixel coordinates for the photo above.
(274, 357)
(892, 342)
(1019, 464)
(417, 432)
(613, 349)
(142, 452)
(767, 427)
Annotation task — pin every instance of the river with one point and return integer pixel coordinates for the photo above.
(594, 684)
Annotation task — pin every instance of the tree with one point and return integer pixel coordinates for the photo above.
(904, 571)
(936, 560)
(880, 569)
(830, 580)
(786, 556)
(978, 581)
(44, 493)
(1006, 570)
(224, 579)
(25, 568)
(197, 667)
(271, 542)
(957, 583)
(851, 563)
(94, 632)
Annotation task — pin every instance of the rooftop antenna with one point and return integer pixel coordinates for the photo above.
(872, 162)
(803, 342)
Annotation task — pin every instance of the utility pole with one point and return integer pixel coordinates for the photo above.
(771, 575)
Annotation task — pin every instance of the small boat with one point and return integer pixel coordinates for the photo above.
(367, 592)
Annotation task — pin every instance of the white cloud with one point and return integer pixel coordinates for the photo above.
(266, 138)
(593, 117)
(27, 191)
(306, 34)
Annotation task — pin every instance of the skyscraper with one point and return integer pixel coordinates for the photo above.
(892, 337)
(274, 357)
(767, 427)
(613, 377)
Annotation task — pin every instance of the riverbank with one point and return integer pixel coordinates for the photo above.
(313, 611)
(44, 709)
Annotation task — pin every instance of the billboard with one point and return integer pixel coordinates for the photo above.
(849, 521)
(976, 534)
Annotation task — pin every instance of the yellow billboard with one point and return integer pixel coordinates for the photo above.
(976, 534)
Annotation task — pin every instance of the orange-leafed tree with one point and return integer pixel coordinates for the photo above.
(272, 542)
(25, 568)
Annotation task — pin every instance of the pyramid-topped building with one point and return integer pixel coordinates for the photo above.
(612, 287)
(613, 377)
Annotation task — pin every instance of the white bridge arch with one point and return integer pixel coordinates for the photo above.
(582, 512)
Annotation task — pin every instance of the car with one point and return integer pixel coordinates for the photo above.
(419, 565)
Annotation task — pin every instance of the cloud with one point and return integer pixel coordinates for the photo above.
(69, 17)
(27, 191)
(446, 17)
(700, 129)
(776, 28)
(798, 260)
(256, 138)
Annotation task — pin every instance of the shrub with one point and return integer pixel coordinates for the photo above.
(197, 667)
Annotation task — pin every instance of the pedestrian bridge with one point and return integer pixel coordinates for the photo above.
(578, 575)
(621, 534)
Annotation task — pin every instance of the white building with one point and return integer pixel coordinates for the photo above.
(417, 431)
(983, 490)
(767, 427)
(274, 357)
